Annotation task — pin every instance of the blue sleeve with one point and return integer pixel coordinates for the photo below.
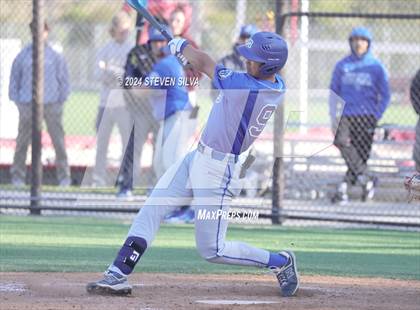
(15, 79)
(162, 69)
(383, 91)
(63, 80)
(334, 92)
(159, 70)
(167, 68)
(225, 78)
(155, 74)
(335, 84)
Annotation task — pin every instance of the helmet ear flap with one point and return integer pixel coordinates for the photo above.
(268, 69)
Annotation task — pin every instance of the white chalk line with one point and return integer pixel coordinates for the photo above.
(12, 287)
(235, 302)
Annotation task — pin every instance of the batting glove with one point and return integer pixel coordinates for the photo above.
(176, 46)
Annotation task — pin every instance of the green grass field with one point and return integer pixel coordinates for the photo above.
(81, 109)
(89, 244)
(80, 113)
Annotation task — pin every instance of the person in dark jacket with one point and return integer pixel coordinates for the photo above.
(415, 100)
(360, 83)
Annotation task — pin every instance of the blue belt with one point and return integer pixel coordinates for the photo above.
(216, 154)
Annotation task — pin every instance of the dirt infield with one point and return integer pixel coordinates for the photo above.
(179, 291)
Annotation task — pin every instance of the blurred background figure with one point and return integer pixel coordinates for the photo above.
(178, 23)
(180, 27)
(415, 101)
(362, 82)
(234, 60)
(171, 107)
(110, 71)
(56, 92)
(139, 64)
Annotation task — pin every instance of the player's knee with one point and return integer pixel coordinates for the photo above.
(207, 251)
(340, 142)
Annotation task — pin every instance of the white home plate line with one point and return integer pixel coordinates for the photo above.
(235, 302)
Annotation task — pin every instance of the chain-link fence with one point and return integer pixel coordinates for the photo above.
(357, 155)
(82, 35)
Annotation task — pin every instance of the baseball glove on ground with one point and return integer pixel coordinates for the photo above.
(412, 185)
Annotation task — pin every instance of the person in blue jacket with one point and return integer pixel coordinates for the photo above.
(171, 106)
(360, 83)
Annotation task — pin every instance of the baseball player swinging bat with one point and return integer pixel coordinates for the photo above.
(208, 176)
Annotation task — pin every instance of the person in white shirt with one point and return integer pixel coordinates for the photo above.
(110, 64)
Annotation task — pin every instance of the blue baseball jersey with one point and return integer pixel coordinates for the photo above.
(167, 75)
(241, 111)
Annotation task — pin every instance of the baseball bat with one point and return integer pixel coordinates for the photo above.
(135, 4)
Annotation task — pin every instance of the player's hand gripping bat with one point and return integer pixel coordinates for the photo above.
(135, 4)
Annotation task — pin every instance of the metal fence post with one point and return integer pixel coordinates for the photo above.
(37, 103)
(278, 166)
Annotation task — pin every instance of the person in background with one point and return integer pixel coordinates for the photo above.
(169, 103)
(171, 106)
(361, 81)
(140, 62)
(56, 92)
(415, 100)
(411, 182)
(109, 71)
(234, 60)
(180, 27)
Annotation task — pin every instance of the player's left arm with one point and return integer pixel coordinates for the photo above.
(200, 60)
(333, 99)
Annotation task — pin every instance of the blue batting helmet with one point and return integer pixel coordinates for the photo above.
(267, 48)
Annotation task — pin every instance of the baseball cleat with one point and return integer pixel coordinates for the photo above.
(341, 197)
(125, 195)
(287, 275)
(112, 284)
(368, 189)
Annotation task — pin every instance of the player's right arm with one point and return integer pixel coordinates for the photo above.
(200, 60)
